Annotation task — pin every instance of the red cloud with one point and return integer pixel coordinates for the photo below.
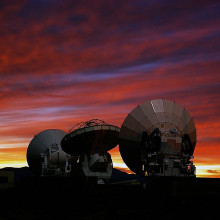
(213, 171)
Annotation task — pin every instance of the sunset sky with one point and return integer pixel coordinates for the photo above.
(67, 61)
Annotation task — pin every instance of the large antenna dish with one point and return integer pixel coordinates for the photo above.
(168, 116)
(39, 145)
(94, 136)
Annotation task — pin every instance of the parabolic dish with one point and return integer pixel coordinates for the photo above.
(91, 139)
(161, 113)
(39, 144)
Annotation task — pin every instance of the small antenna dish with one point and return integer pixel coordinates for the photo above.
(39, 144)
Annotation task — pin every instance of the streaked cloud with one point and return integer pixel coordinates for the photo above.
(63, 62)
(212, 171)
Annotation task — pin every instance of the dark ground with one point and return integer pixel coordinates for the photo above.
(163, 198)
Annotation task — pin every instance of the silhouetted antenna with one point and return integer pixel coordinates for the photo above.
(154, 131)
(90, 142)
(41, 142)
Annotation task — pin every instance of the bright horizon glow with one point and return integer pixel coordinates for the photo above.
(210, 171)
(14, 164)
(19, 160)
(207, 171)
